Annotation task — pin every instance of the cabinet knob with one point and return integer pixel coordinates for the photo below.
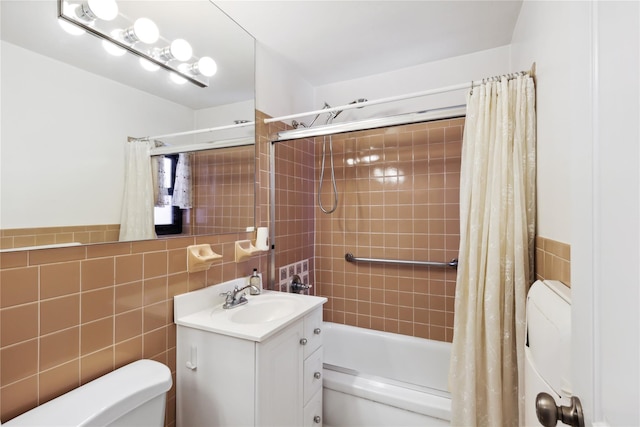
(317, 419)
(317, 375)
(303, 341)
(317, 331)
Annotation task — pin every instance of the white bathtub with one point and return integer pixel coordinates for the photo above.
(380, 379)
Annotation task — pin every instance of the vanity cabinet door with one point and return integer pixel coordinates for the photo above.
(279, 383)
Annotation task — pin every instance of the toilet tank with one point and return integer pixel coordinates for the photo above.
(134, 395)
(548, 346)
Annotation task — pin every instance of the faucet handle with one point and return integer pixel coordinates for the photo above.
(229, 296)
(297, 286)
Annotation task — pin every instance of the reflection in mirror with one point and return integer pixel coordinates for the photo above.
(68, 108)
(222, 190)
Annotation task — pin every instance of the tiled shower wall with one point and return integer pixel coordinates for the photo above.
(295, 204)
(399, 191)
(398, 199)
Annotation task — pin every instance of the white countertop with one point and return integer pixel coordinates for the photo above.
(202, 309)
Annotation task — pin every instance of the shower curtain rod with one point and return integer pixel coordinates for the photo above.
(193, 132)
(468, 85)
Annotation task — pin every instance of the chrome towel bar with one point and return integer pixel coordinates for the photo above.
(453, 263)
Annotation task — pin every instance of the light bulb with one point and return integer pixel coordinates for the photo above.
(148, 65)
(177, 79)
(181, 49)
(112, 48)
(205, 66)
(144, 30)
(70, 10)
(91, 10)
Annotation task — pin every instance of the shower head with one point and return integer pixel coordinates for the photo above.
(357, 101)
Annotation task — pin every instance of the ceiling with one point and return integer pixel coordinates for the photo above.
(336, 40)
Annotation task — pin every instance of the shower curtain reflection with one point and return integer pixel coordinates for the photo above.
(136, 221)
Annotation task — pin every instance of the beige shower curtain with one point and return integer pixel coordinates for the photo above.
(497, 229)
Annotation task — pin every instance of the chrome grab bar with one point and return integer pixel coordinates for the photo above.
(453, 263)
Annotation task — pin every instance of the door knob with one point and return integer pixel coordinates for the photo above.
(549, 414)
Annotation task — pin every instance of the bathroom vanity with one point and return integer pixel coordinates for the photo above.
(259, 364)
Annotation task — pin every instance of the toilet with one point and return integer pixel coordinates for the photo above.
(547, 346)
(134, 395)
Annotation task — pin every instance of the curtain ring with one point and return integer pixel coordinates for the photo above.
(471, 91)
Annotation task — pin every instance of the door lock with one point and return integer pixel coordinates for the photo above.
(549, 414)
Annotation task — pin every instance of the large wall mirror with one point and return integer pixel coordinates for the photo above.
(68, 108)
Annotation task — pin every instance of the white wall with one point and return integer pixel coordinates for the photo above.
(279, 89)
(63, 137)
(561, 53)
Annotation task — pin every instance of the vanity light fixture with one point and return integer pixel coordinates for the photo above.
(177, 79)
(91, 10)
(143, 30)
(148, 65)
(205, 66)
(70, 10)
(179, 49)
(138, 38)
(112, 48)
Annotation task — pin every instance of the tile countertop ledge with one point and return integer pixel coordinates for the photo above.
(202, 309)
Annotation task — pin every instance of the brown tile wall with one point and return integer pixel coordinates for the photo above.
(69, 315)
(25, 237)
(295, 202)
(223, 190)
(399, 191)
(553, 260)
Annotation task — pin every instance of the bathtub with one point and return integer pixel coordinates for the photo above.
(380, 379)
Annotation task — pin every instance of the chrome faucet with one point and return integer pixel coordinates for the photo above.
(254, 290)
(232, 300)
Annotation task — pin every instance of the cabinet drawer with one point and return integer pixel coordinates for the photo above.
(313, 411)
(312, 375)
(313, 331)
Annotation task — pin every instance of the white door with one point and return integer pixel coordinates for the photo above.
(606, 230)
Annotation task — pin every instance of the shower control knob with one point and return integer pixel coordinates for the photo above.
(303, 341)
(317, 331)
(549, 414)
(317, 419)
(317, 375)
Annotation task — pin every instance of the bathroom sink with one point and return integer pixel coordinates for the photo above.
(263, 310)
(262, 316)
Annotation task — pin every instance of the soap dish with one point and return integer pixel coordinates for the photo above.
(245, 250)
(200, 257)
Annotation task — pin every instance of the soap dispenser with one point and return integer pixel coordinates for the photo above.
(255, 283)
